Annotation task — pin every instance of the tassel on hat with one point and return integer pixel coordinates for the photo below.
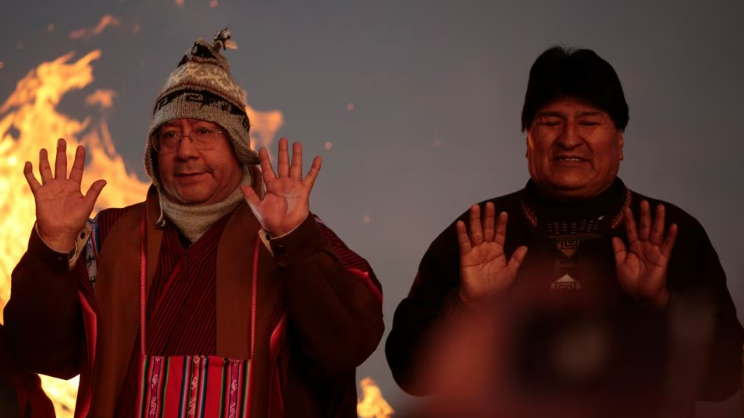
(201, 87)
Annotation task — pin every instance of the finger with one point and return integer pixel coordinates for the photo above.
(266, 169)
(313, 173)
(516, 259)
(77, 166)
(500, 236)
(462, 238)
(295, 170)
(630, 227)
(250, 197)
(283, 165)
(60, 163)
(476, 233)
(44, 170)
(668, 245)
(93, 192)
(28, 172)
(657, 232)
(619, 249)
(645, 221)
(488, 230)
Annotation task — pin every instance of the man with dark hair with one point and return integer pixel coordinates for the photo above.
(580, 74)
(572, 307)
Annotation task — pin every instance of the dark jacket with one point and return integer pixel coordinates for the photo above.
(21, 395)
(645, 340)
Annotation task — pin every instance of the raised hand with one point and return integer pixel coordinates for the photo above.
(642, 269)
(287, 200)
(61, 209)
(484, 269)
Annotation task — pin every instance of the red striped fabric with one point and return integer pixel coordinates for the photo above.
(351, 260)
(181, 310)
(193, 387)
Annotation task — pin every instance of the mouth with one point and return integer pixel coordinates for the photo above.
(570, 159)
(189, 175)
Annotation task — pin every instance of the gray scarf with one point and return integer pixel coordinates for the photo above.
(194, 220)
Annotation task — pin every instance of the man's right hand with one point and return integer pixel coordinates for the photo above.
(484, 270)
(61, 209)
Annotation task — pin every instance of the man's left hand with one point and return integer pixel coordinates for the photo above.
(642, 268)
(287, 200)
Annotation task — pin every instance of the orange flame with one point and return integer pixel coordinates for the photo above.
(106, 20)
(103, 98)
(29, 121)
(372, 405)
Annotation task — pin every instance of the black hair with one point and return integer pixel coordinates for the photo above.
(581, 74)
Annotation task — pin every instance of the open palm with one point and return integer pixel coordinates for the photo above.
(484, 268)
(61, 208)
(287, 200)
(642, 267)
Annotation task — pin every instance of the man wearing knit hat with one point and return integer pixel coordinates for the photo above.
(552, 300)
(219, 295)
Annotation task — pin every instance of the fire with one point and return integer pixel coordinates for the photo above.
(372, 405)
(103, 98)
(29, 121)
(264, 126)
(106, 21)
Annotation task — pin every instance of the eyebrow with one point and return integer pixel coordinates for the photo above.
(544, 113)
(589, 113)
(548, 113)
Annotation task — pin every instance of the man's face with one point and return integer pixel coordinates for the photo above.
(198, 177)
(573, 149)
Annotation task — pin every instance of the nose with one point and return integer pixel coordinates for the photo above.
(186, 150)
(570, 137)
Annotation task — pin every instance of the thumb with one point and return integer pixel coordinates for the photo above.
(516, 259)
(254, 202)
(250, 197)
(93, 192)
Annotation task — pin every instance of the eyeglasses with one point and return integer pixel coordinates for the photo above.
(201, 138)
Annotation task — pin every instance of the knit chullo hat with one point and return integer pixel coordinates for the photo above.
(201, 87)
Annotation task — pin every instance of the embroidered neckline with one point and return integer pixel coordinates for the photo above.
(533, 219)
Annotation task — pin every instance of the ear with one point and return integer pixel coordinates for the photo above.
(620, 144)
(529, 145)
